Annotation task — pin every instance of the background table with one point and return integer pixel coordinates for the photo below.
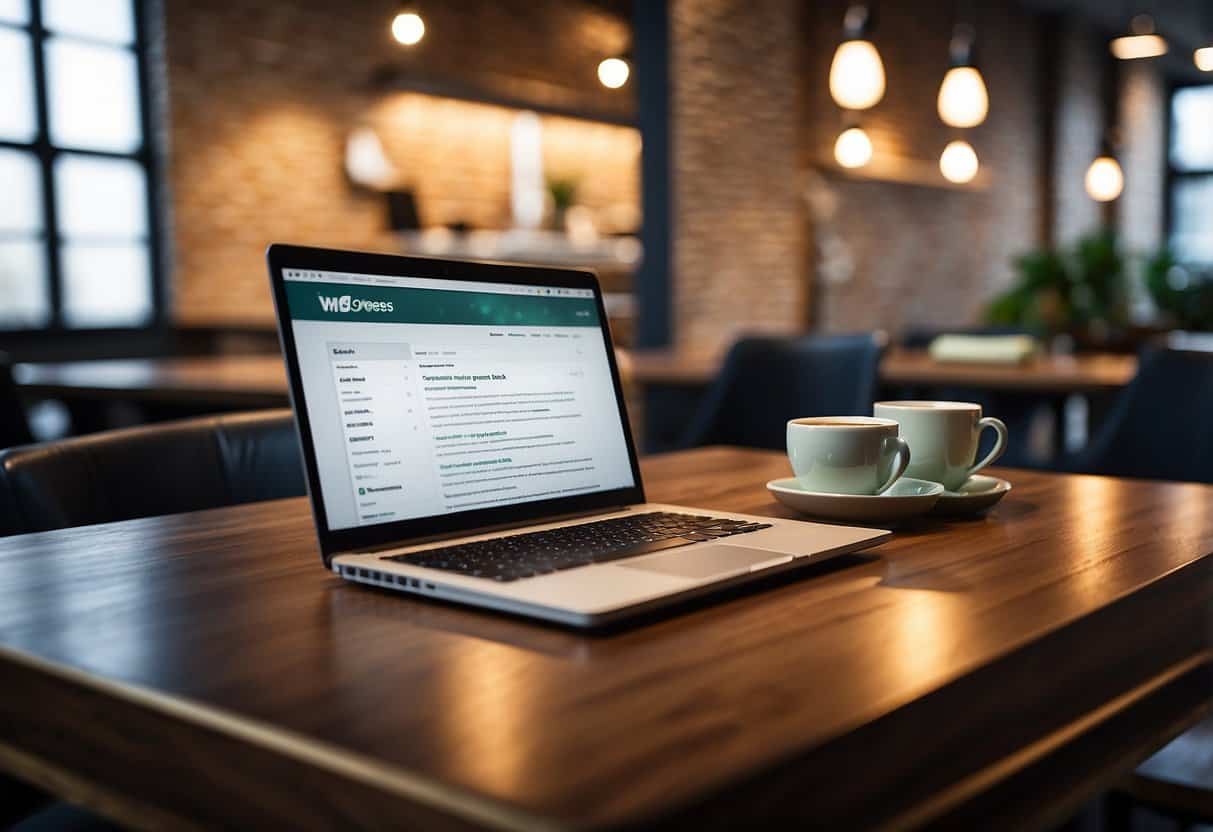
(1082, 373)
(991, 672)
(227, 381)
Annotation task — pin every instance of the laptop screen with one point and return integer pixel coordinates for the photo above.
(428, 397)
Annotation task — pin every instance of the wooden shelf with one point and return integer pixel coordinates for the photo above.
(904, 171)
(514, 93)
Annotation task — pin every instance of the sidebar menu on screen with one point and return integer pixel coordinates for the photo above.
(382, 422)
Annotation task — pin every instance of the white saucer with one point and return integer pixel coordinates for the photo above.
(977, 493)
(908, 497)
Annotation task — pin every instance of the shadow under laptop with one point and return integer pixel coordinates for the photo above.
(552, 638)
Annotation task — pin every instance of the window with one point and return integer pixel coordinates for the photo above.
(1190, 159)
(78, 246)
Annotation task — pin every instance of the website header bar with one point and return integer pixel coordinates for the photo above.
(313, 276)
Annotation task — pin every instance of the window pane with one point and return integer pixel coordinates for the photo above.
(17, 120)
(106, 285)
(94, 96)
(1192, 219)
(24, 296)
(21, 206)
(14, 11)
(1191, 136)
(108, 20)
(97, 197)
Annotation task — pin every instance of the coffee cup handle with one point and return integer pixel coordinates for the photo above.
(900, 463)
(1000, 444)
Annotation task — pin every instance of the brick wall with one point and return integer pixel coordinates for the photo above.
(764, 222)
(1079, 130)
(739, 233)
(1142, 127)
(263, 93)
(923, 254)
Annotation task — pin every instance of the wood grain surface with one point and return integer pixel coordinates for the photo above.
(205, 667)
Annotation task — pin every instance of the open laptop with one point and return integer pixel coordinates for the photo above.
(465, 438)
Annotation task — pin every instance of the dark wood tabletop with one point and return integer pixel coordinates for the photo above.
(204, 668)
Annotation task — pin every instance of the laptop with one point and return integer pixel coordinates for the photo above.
(465, 438)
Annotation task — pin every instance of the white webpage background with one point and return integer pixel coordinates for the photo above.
(572, 443)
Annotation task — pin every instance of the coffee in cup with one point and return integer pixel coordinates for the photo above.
(943, 438)
(846, 454)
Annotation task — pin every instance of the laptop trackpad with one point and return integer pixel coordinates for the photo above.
(705, 561)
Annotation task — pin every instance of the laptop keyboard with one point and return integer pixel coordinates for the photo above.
(541, 553)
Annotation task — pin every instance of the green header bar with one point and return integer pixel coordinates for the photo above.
(380, 304)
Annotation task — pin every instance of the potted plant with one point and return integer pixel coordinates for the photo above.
(1182, 292)
(1080, 291)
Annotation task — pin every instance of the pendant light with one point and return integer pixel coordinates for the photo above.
(857, 74)
(613, 72)
(963, 100)
(1105, 180)
(853, 148)
(1140, 42)
(407, 26)
(958, 162)
(1203, 56)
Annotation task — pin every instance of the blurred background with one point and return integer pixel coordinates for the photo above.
(729, 168)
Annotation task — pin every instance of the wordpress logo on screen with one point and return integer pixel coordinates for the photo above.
(345, 303)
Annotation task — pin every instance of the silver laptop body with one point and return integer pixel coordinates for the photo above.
(462, 421)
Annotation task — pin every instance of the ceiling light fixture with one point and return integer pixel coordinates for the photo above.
(613, 72)
(407, 26)
(1104, 180)
(958, 162)
(963, 100)
(853, 148)
(857, 79)
(1141, 41)
(1203, 58)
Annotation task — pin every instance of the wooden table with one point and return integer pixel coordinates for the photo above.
(229, 381)
(991, 672)
(260, 381)
(1084, 373)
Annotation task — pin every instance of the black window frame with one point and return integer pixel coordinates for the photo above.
(147, 155)
(1174, 174)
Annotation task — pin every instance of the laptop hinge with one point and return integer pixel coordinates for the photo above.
(499, 527)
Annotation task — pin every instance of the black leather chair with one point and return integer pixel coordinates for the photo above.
(1159, 426)
(156, 469)
(14, 429)
(765, 381)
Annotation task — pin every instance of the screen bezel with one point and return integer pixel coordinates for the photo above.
(332, 541)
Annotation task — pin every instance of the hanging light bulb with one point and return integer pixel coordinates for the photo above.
(613, 72)
(963, 100)
(1104, 179)
(407, 27)
(958, 162)
(856, 73)
(1141, 41)
(1203, 58)
(853, 148)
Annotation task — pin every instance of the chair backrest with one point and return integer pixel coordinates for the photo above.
(765, 381)
(14, 429)
(1161, 426)
(145, 471)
